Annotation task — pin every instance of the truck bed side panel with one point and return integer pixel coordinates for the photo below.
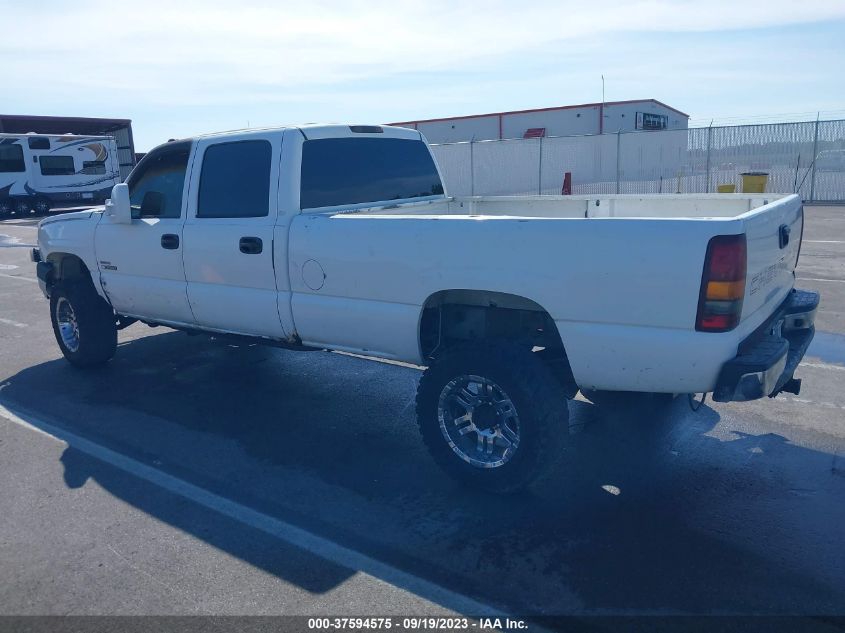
(600, 278)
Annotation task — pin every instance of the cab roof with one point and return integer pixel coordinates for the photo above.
(327, 130)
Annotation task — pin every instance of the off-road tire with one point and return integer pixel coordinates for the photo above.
(537, 395)
(95, 320)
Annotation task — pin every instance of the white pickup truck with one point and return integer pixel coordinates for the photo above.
(342, 238)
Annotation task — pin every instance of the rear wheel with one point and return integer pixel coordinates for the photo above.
(22, 206)
(42, 205)
(83, 323)
(6, 207)
(493, 416)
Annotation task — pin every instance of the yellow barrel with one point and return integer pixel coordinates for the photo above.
(726, 188)
(754, 181)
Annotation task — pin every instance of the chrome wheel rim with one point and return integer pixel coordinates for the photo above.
(479, 421)
(67, 324)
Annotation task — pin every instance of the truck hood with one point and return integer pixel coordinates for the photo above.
(75, 215)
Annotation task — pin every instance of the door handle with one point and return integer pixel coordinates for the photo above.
(251, 245)
(170, 241)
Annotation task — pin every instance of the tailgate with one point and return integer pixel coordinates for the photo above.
(773, 234)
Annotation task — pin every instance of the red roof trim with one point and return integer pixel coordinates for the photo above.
(568, 107)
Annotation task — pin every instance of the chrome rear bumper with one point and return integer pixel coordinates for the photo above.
(767, 360)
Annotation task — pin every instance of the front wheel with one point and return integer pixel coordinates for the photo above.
(83, 323)
(493, 416)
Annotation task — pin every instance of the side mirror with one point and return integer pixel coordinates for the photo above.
(118, 206)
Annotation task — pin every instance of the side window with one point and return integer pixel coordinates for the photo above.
(93, 167)
(11, 158)
(56, 165)
(347, 171)
(38, 142)
(156, 183)
(235, 180)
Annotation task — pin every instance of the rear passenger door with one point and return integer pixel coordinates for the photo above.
(228, 251)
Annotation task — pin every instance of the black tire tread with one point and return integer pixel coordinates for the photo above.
(97, 326)
(547, 410)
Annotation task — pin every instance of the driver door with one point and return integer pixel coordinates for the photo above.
(141, 263)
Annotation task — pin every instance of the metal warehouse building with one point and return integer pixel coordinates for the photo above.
(573, 120)
(120, 129)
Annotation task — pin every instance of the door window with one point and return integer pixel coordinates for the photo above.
(235, 180)
(11, 158)
(156, 183)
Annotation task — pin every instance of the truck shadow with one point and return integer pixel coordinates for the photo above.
(658, 510)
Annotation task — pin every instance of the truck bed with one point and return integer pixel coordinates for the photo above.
(623, 289)
(659, 206)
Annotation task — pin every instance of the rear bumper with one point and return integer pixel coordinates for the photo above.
(768, 358)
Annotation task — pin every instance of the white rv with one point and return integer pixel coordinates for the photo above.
(39, 171)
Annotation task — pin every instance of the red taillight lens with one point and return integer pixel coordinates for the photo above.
(722, 284)
(726, 258)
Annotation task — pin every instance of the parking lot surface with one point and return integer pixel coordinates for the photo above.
(193, 476)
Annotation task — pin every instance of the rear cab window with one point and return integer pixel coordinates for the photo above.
(356, 171)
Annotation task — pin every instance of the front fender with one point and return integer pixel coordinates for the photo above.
(70, 234)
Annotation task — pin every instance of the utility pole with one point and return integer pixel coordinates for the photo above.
(709, 148)
(815, 154)
(601, 108)
(618, 158)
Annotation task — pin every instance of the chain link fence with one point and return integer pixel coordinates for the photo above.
(807, 158)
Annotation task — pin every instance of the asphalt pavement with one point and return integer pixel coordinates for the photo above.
(194, 476)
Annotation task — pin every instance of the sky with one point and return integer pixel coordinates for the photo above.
(179, 68)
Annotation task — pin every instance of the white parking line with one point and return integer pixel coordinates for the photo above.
(838, 281)
(18, 277)
(826, 405)
(824, 241)
(823, 366)
(13, 323)
(324, 548)
(386, 361)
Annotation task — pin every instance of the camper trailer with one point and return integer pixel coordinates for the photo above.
(40, 171)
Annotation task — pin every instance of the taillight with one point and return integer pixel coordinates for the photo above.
(722, 284)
